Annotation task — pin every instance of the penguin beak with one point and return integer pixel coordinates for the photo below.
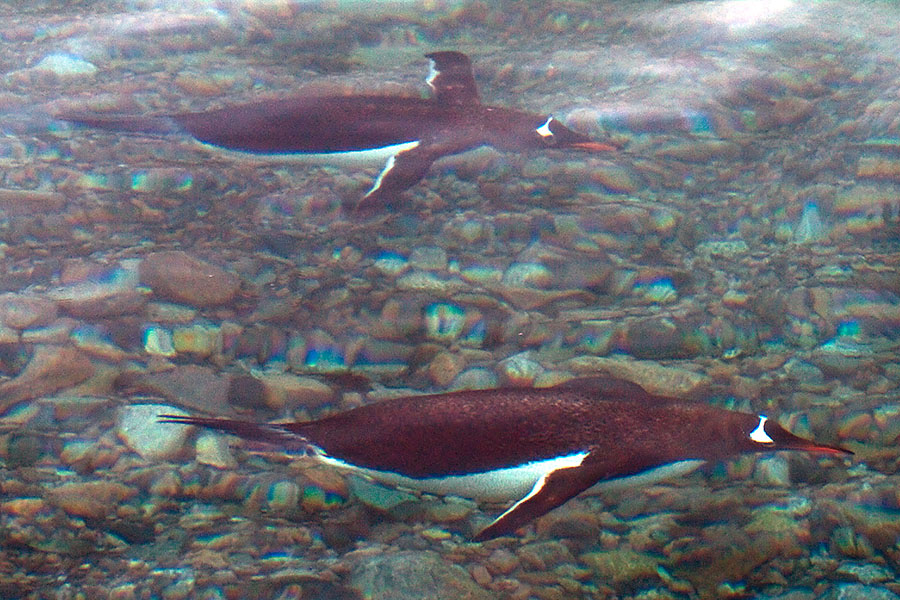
(826, 449)
(594, 146)
(780, 438)
(804, 445)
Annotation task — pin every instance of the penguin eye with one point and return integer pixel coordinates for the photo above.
(759, 434)
(545, 132)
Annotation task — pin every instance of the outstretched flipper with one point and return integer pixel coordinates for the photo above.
(561, 485)
(406, 168)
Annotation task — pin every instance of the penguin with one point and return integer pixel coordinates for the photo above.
(535, 447)
(410, 133)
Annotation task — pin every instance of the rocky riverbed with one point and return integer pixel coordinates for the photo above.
(740, 249)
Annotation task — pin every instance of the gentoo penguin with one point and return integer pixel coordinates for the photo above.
(410, 132)
(539, 447)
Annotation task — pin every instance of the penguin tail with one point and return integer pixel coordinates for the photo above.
(158, 124)
(256, 432)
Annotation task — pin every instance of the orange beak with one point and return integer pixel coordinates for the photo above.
(594, 146)
(825, 449)
(809, 446)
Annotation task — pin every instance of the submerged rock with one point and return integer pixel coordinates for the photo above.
(138, 427)
(414, 576)
(91, 499)
(181, 277)
(51, 368)
(22, 311)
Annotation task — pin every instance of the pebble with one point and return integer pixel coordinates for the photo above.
(191, 386)
(848, 542)
(444, 321)
(810, 229)
(445, 367)
(66, 65)
(865, 572)
(282, 390)
(412, 575)
(23, 311)
(502, 562)
(90, 499)
(476, 378)
(377, 496)
(615, 178)
(428, 258)
(138, 428)
(100, 299)
(621, 565)
(213, 449)
(773, 471)
(878, 168)
(699, 151)
(658, 338)
(201, 340)
(704, 260)
(527, 275)
(857, 591)
(424, 281)
(519, 370)
(653, 377)
(27, 202)
(50, 369)
(180, 277)
(283, 497)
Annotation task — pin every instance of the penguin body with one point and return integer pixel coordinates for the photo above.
(539, 447)
(412, 132)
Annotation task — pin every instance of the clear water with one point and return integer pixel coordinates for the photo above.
(739, 249)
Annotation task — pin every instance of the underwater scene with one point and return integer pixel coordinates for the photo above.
(435, 299)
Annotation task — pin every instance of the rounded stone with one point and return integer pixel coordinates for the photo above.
(413, 576)
(21, 311)
(181, 277)
(139, 429)
(91, 499)
(212, 449)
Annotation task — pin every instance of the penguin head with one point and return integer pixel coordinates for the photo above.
(550, 133)
(762, 434)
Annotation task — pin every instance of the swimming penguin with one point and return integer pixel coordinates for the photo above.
(539, 447)
(410, 133)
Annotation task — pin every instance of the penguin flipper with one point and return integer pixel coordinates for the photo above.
(451, 78)
(402, 171)
(557, 487)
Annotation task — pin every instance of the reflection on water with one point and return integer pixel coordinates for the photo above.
(740, 249)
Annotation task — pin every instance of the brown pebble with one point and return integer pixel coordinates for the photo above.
(791, 110)
(22, 311)
(481, 575)
(51, 368)
(183, 278)
(502, 562)
(26, 202)
(655, 378)
(445, 367)
(91, 499)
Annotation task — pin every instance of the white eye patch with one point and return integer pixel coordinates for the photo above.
(759, 434)
(544, 130)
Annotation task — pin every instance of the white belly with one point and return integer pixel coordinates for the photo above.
(513, 483)
(375, 157)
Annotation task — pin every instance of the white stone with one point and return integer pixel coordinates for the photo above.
(139, 428)
(212, 449)
(65, 65)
